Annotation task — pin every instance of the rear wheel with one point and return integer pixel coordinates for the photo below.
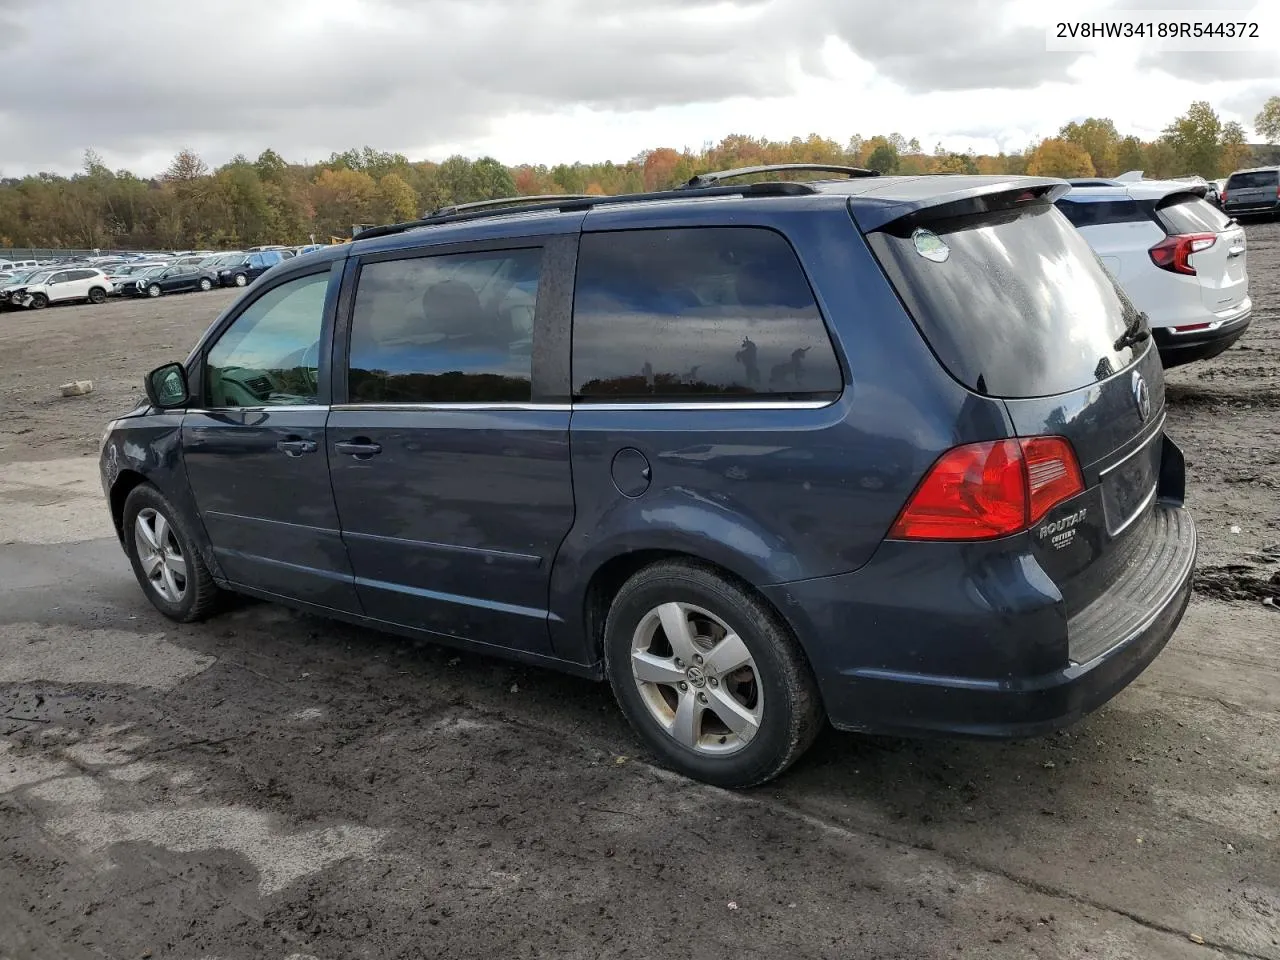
(709, 676)
(153, 291)
(164, 558)
(39, 301)
(97, 295)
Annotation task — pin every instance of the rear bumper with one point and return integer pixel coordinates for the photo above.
(1252, 209)
(992, 640)
(1179, 348)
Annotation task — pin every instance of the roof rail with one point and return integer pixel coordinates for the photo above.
(506, 201)
(708, 179)
(486, 208)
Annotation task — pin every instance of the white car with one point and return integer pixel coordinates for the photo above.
(9, 266)
(62, 286)
(1180, 259)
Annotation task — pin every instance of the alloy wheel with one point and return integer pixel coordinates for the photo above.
(160, 554)
(697, 678)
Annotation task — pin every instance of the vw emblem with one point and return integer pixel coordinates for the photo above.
(1141, 395)
(696, 677)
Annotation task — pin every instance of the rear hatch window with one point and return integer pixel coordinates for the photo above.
(1014, 302)
(1256, 178)
(1185, 213)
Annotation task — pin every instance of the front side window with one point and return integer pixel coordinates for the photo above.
(697, 313)
(270, 355)
(456, 328)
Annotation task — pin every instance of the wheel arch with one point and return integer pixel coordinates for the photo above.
(611, 575)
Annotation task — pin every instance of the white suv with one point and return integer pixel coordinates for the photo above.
(1179, 258)
(60, 286)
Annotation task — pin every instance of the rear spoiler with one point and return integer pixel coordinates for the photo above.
(877, 208)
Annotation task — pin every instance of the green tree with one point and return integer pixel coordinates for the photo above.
(1130, 155)
(1267, 121)
(490, 180)
(1235, 151)
(883, 159)
(1196, 139)
(342, 198)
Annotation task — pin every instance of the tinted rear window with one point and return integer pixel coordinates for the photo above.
(1190, 214)
(1258, 178)
(695, 314)
(1019, 307)
(1084, 212)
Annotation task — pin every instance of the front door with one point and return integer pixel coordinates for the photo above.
(452, 484)
(255, 453)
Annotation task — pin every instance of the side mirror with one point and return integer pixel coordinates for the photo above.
(167, 386)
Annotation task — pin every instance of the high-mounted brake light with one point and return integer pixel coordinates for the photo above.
(981, 491)
(1174, 253)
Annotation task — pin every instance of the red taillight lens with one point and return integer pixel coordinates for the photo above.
(1174, 253)
(981, 491)
(1222, 197)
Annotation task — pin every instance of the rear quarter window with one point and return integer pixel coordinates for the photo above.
(1020, 306)
(697, 313)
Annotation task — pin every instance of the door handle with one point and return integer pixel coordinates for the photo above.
(296, 446)
(360, 448)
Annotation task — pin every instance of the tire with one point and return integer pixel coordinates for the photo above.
(154, 291)
(206, 284)
(39, 301)
(241, 280)
(182, 597)
(97, 295)
(771, 697)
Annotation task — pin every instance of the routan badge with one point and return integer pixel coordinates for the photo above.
(929, 245)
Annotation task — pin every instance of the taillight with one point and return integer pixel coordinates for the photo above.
(1222, 197)
(1174, 253)
(981, 491)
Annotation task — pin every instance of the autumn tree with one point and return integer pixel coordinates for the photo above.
(1267, 121)
(1057, 157)
(396, 201)
(1235, 148)
(883, 159)
(660, 168)
(954, 163)
(1098, 137)
(342, 198)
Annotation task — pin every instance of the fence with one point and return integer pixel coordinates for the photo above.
(59, 253)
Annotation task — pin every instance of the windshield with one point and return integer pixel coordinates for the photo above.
(20, 277)
(38, 276)
(1014, 303)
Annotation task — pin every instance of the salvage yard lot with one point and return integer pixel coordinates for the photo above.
(271, 785)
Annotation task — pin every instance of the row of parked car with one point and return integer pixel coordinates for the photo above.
(37, 285)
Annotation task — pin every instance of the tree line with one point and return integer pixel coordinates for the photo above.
(269, 200)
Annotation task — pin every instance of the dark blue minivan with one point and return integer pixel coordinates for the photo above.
(883, 451)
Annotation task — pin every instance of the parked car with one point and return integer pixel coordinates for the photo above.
(174, 278)
(138, 283)
(249, 268)
(62, 286)
(626, 437)
(1180, 259)
(12, 265)
(15, 281)
(1253, 192)
(128, 273)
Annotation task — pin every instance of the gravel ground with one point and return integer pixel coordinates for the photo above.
(272, 785)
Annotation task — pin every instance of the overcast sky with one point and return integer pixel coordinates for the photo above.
(550, 81)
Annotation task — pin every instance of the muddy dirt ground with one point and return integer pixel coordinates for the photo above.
(271, 785)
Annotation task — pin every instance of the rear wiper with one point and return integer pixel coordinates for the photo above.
(1133, 332)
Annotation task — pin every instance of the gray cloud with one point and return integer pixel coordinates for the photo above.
(145, 77)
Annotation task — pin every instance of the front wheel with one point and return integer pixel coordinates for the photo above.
(38, 301)
(709, 676)
(153, 291)
(97, 295)
(241, 280)
(164, 558)
(206, 284)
